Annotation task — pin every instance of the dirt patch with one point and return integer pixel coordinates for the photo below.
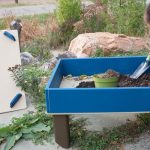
(125, 81)
(108, 74)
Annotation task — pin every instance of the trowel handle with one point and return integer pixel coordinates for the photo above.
(148, 58)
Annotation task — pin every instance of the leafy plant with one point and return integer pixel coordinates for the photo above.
(29, 79)
(36, 127)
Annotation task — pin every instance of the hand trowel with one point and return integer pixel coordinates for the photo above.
(141, 69)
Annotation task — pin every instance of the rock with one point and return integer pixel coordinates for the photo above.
(66, 55)
(85, 45)
(49, 65)
(46, 66)
(84, 4)
(26, 58)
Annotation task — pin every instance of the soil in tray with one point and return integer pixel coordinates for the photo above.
(125, 81)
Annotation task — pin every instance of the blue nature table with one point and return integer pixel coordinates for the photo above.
(61, 102)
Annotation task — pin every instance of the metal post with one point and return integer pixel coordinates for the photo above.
(120, 3)
(16, 25)
(62, 131)
(16, 1)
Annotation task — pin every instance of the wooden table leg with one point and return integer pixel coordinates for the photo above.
(62, 131)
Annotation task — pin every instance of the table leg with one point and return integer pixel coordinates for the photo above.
(62, 131)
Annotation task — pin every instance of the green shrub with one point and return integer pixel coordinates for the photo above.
(123, 17)
(54, 39)
(128, 17)
(68, 11)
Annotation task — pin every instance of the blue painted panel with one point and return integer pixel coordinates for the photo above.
(99, 100)
(60, 100)
(56, 76)
(124, 65)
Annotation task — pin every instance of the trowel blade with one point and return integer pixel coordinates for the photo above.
(140, 70)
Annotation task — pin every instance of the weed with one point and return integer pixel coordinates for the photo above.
(111, 139)
(39, 47)
(102, 53)
(145, 118)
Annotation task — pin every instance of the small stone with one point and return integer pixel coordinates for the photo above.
(83, 77)
(66, 55)
(46, 66)
(69, 77)
(26, 58)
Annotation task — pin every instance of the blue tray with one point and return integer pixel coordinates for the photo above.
(95, 100)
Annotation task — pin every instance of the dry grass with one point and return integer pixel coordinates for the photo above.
(52, 24)
(7, 20)
(31, 29)
(37, 26)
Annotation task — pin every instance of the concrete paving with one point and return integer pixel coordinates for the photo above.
(27, 10)
(28, 145)
(142, 143)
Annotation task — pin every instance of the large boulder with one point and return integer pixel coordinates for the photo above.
(85, 45)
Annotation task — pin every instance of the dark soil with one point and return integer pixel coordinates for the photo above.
(88, 84)
(125, 81)
(142, 81)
